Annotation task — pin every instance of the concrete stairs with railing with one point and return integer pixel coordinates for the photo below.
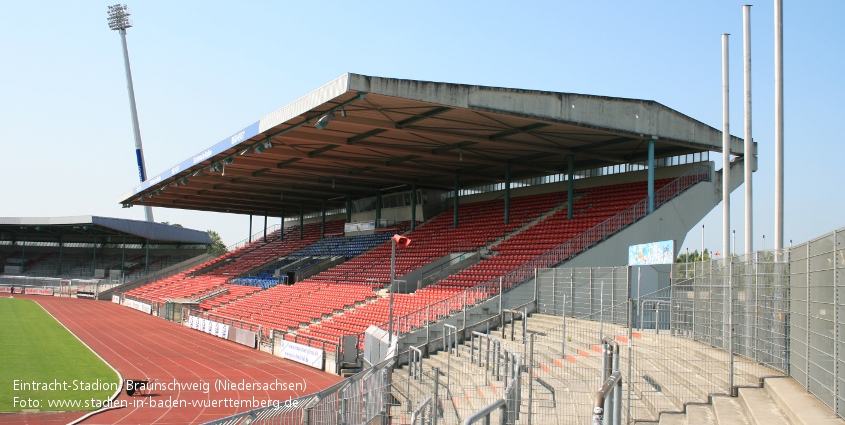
(781, 401)
(681, 387)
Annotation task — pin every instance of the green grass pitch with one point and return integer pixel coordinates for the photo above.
(44, 367)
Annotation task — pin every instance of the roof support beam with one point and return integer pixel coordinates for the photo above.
(483, 141)
(362, 136)
(402, 148)
(316, 152)
(447, 148)
(395, 161)
(605, 143)
(524, 129)
(428, 114)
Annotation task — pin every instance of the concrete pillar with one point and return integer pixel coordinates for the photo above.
(348, 209)
(570, 187)
(61, 245)
(122, 259)
(94, 268)
(455, 212)
(651, 175)
(507, 193)
(323, 222)
(413, 207)
(378, 208)
(147, 258)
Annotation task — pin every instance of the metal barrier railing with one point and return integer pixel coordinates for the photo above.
(655, 305)
(450, 339)
(414, 364)
(612, 385)
(501, 405)
(490, 362)
(420, 413)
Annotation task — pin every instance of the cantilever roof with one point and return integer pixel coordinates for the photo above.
(87, 226)
(388, 134)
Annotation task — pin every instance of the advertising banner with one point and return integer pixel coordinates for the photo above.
(137, 305)
(649, 254)
(302, 354)
(39, 291)
(210, 327)
(115, 299)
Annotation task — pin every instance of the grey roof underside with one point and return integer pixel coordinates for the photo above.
(635, 117)
(142, 229)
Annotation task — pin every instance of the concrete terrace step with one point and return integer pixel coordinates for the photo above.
(701, 415)
(760, 408)
(729, 411)
(800, 406)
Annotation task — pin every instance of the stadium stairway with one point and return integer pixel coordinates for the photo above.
(563, 385)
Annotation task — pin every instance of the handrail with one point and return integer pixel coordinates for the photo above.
(414, 363)
(449, 343)
(613, 382)
(485, 412)
(419, 412)
(446, 265)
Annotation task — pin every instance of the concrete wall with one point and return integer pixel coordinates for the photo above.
(412, 279)
(672, 221)
(396, 214)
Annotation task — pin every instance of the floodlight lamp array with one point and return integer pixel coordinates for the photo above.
(119, 17)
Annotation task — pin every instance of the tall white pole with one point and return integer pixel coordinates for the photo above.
(726, 155)
(749, 144)
(139, 150)
(778, 124)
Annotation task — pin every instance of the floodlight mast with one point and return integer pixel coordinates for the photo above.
(119, 21)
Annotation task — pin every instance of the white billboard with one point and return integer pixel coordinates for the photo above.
(651, 253)
(302, 353)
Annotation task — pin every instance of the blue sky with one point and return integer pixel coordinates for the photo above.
(205, 69)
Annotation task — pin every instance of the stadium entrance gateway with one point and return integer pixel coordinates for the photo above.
(173, 308)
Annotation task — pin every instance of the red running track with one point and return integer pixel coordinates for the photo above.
(141, 346)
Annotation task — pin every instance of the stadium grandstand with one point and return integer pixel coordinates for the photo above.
(92, 250)
(514, 296)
